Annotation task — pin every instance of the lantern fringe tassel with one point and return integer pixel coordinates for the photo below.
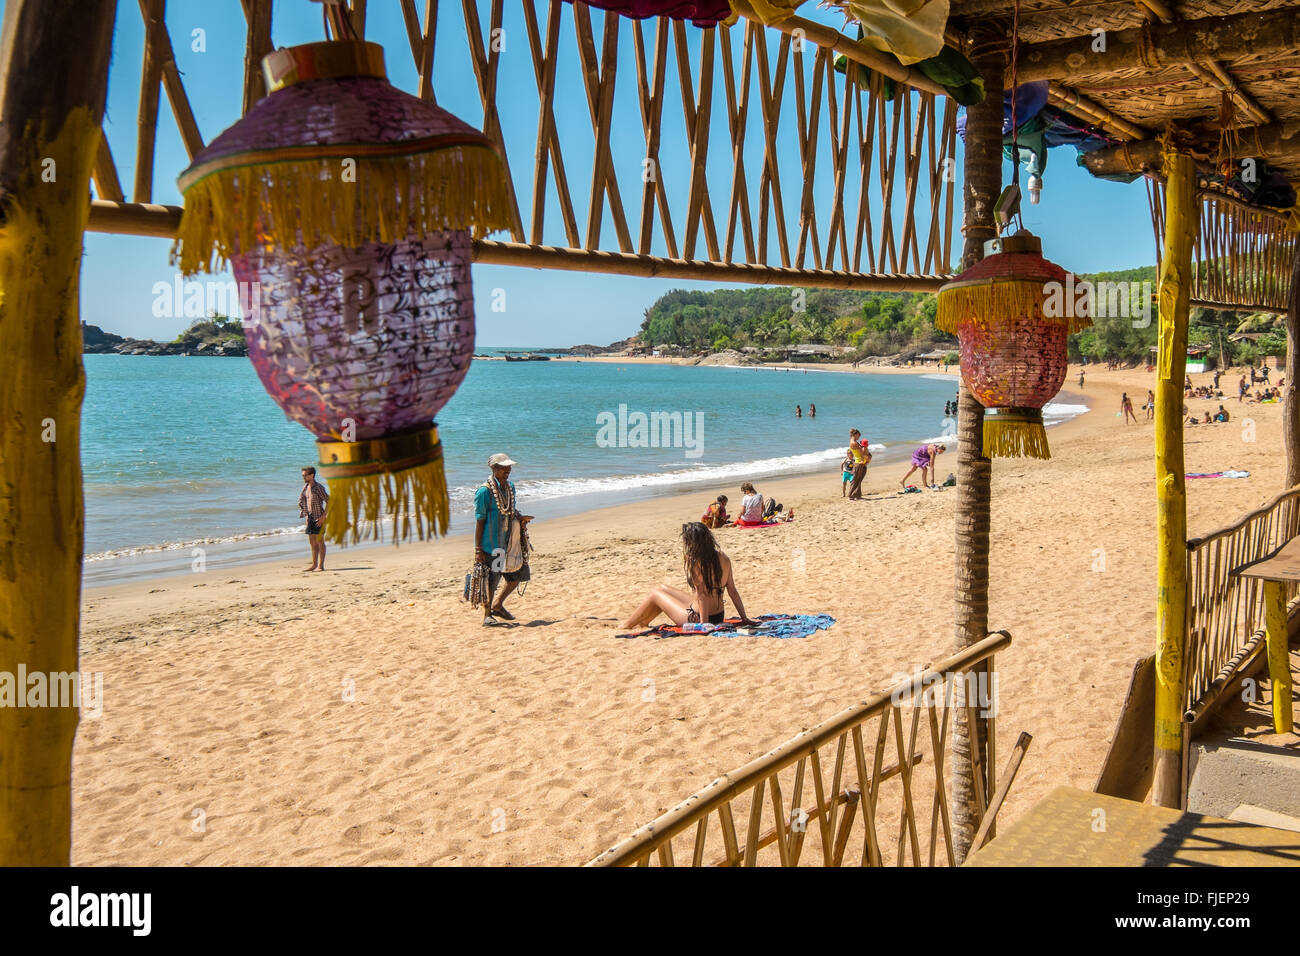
(454, 188)
(1012, 298)
(415, 498)
(1015, 439)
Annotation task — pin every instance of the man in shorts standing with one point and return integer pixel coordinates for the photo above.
(494, 502)
(311, 505)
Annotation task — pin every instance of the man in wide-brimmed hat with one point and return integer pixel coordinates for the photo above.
(494, 514)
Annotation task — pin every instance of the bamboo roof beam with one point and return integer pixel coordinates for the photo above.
(1266, 142)
(1158, 45)
(1211, 71)
(1070, 101)
(832, 39)
(1214, 75)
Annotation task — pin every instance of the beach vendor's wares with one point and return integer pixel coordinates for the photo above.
(346, 209)
(1012, 316)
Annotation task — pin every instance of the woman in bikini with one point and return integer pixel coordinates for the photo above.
(708, 572)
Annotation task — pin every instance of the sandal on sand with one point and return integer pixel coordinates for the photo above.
(503, 613)
(490, 621)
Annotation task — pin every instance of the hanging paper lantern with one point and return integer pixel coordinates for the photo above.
(1012, 313)
(346, 208)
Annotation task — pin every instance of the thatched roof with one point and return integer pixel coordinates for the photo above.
(1168, 63)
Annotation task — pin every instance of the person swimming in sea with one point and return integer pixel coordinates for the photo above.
(709, 575)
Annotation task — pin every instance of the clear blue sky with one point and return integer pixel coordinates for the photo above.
(1087, 225)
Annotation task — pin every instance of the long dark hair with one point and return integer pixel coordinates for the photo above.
(700, 556)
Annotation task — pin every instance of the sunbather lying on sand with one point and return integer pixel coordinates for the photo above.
(708, 572)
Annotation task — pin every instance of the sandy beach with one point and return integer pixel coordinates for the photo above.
(261, 715)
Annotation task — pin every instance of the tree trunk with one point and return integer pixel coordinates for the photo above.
(1290, 395)
(983, 175)
(55, 57)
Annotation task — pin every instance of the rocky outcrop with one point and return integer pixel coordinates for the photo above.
(95, 341)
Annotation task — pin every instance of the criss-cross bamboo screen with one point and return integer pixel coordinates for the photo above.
(821, 798)
(1241, 257)
(1225, 613)
(649, 147)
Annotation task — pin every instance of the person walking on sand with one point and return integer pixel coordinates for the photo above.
(924, 458)
(708, 574)
(1151, 405)
(861, 455)
(500, 538)
(1126, 406)
(1081, 378)
(311, 505)
(1242, 389)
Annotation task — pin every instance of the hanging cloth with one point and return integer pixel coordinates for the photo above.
(912, 30)
(702, 13)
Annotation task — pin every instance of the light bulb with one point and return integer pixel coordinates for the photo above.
(1035, 187)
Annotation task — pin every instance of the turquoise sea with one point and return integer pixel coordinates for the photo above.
(182, 453)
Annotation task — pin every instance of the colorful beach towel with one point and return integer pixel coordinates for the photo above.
(1221, 474)
(767, 625)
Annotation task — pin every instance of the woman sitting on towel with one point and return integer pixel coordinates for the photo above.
(751, 506)
(708, 573)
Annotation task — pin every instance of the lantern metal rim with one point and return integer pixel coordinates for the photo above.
(374, 456)
(327, 60)
(1014, 413)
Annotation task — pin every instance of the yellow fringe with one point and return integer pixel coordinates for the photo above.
(457, 188)
(1011, 297)
(1015, 439)
(416, 498)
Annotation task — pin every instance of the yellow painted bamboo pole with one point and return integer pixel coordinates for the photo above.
(53, 76)
(1182, 218)
(1279, 658)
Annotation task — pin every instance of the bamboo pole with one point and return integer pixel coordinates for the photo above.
(49, 140)
(1182, 215)
(1279, 658)
(974, 470)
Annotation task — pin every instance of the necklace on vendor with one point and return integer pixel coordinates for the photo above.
(497, 493)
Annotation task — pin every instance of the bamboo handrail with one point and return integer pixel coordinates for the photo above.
(722, 790)
(150, 219)
(1241, 522)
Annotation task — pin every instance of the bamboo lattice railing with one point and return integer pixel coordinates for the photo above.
(1225, 619)
(1241, 257)
(900, 736)
(755, 160)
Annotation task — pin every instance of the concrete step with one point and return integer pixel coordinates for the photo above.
(1264, 818)
(1229, 774)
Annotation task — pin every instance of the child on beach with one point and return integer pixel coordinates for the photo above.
(715, 515)
(846, 474)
